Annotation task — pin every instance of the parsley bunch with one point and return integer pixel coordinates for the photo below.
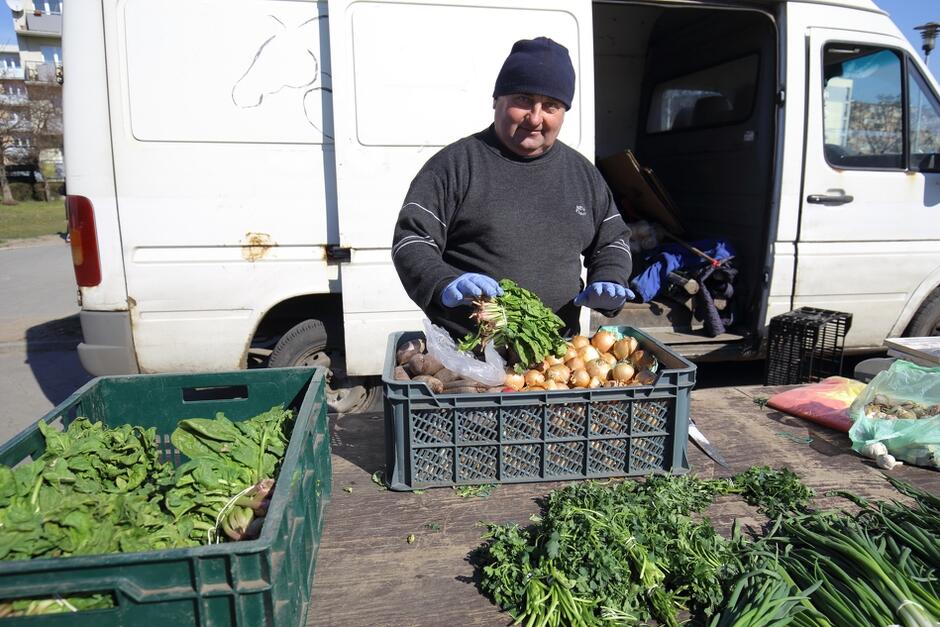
(623, 553)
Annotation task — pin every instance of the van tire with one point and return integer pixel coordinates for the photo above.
(926, 321)
(307, 344)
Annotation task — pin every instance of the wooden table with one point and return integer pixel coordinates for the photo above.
(368, 574)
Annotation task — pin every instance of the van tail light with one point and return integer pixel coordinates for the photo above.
(84, 239)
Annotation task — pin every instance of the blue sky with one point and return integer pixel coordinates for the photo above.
(910, 13)
(906, 14)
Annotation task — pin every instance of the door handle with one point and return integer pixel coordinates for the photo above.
(830, 199)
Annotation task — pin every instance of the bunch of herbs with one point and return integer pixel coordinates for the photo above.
(622, 552)
(519, 322)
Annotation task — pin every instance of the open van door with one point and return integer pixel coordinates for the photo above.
(408, 79)
(869, 231)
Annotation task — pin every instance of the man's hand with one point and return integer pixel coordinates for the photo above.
(466, 287)
(604, 295)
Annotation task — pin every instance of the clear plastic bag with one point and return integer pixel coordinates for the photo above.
(442, 347)
(885, 413)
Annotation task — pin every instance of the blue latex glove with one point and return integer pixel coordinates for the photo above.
(466, 287)
(604, 295)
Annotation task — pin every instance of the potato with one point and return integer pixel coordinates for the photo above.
(407, 350)
(460, 383)
(465, 389)
(415, 365)
(401, 375)
(431, 364)
(433, 384)
(445, 375)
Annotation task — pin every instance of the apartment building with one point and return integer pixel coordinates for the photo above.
(30, 85)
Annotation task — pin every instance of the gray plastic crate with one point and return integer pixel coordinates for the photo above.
(518, 437)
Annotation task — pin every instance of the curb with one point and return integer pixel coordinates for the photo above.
(42, 346)
(31, 242)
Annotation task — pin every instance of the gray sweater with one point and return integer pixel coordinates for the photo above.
(476, 207)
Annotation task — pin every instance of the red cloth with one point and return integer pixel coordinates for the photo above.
(826, 403)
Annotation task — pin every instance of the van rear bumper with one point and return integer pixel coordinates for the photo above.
(108, 346)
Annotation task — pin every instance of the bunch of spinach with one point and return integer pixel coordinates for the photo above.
(98, 490)
(518, 321)
(104, 490)
(93, 490)
(230, 473)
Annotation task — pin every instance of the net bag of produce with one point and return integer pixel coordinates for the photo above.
(898, 415)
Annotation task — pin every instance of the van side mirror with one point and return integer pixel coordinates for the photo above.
(929, 163)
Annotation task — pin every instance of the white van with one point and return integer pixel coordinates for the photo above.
(236, 168)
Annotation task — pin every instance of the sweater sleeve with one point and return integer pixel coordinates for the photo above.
(608, 256)
(420, 239)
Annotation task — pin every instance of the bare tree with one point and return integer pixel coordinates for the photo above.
(881, 125)
(26, 128)
(13, 125)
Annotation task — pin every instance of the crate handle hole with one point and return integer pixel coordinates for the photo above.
(215, 393)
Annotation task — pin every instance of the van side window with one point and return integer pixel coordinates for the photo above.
(924, 120)
(721, 94)
(862, 108)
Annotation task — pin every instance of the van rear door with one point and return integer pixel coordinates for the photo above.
(408, 79)
(869, 232)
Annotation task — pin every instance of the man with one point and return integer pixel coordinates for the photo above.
(513, 202)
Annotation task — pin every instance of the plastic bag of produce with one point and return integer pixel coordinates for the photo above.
(441, 346)
(900, 411)
(826, 402)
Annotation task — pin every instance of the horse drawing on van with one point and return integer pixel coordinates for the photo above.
(286, 60)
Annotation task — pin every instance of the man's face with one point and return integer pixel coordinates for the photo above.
(528, 124)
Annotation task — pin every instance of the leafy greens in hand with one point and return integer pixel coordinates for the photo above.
(519, 321)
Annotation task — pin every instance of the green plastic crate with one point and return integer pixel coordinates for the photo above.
(252, 583)
(515, 437)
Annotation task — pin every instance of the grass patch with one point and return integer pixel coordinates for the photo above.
(32, 218)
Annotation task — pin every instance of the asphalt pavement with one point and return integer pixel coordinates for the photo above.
(39, 331)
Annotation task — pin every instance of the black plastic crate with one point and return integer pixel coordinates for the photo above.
(520, 437)
(805, 345)
(253, 583)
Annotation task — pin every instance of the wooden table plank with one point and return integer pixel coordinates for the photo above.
(368, 574)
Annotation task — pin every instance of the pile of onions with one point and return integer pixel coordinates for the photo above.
(589, 362)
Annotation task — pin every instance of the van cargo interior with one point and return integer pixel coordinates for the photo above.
(691, 92)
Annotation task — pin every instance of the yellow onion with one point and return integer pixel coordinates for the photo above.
(598, 368)
(622, 348)
(571, 352)
(579, 340)
(559, 373)
(645, 377)
(580, 379)
(603, 340)
(551, 385)
(514, 380)
(622, 372)
(534, 377)
(595, 383)
(575, 363)
(609, 358)
(637, 356)
(551, 360)
(588, 353)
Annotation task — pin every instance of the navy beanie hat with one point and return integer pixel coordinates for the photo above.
(537, 66)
